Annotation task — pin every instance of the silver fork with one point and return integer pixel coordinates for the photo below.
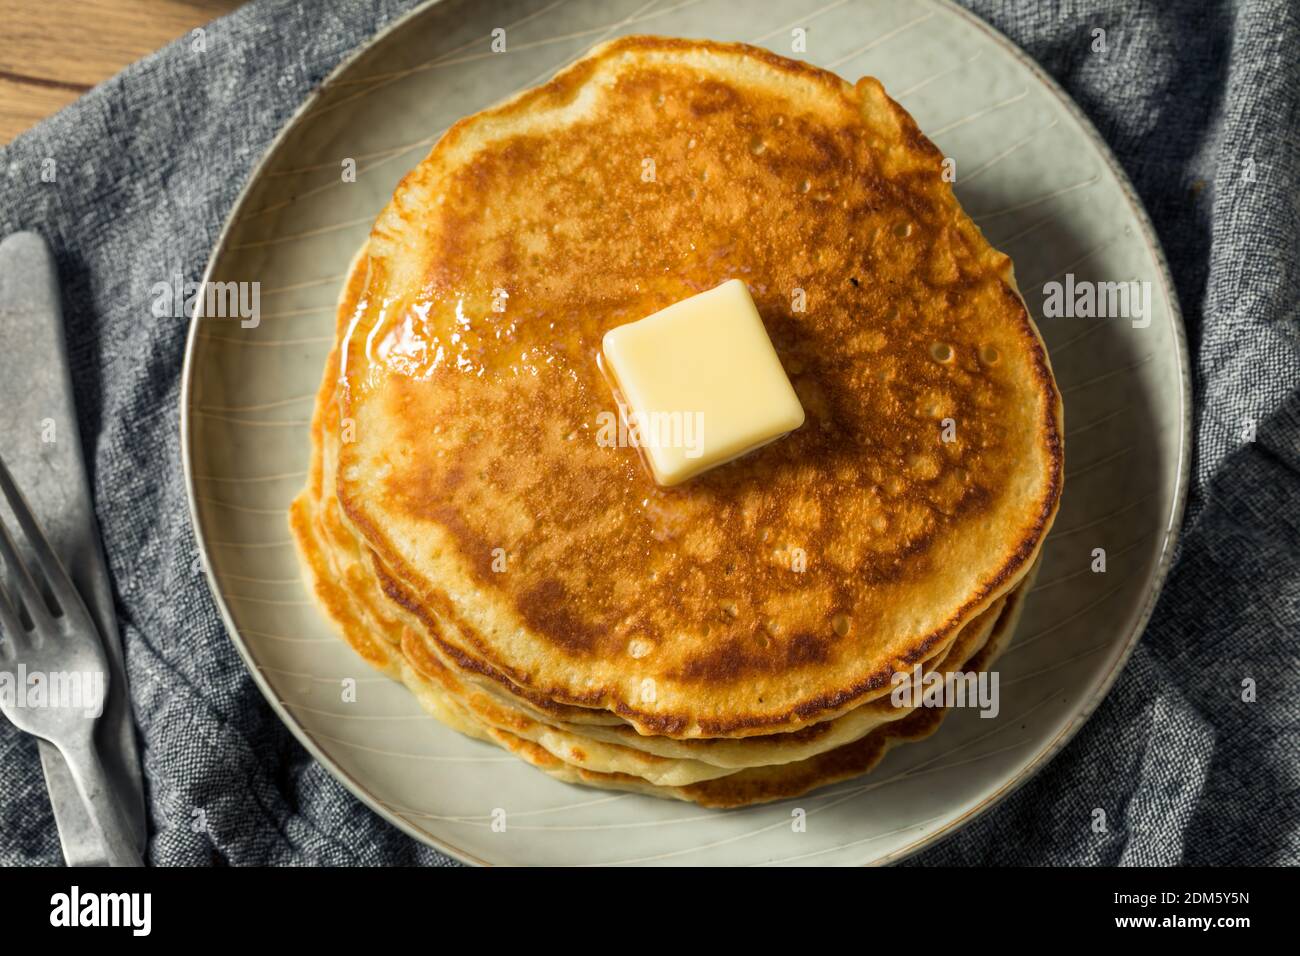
(46, 629)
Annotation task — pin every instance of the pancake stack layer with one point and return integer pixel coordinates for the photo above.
(733, 639)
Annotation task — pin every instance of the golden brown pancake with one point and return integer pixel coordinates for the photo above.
(783, 781)
(765, 784)
(648, 171)
(468, 709)
(399, 645)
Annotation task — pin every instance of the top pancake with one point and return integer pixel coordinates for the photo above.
(648, 171)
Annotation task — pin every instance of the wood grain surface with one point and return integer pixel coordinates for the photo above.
(52, 51)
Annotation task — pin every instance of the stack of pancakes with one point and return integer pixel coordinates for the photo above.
(736, 638)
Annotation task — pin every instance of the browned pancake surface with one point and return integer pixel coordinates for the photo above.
(473, 385)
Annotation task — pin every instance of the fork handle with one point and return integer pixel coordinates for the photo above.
(96, 791)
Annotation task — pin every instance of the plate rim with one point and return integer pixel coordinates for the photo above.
(1080, 716)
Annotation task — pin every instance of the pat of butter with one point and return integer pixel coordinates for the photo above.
(701, 383)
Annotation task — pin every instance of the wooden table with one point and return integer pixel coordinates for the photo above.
(52, 51)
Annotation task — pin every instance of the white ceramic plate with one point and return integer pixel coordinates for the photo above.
(1030, 170)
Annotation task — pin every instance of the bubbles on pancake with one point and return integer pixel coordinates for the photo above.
(990, 355)
(903, 230)
(757, 146)
(841, 624)
(942, 352)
